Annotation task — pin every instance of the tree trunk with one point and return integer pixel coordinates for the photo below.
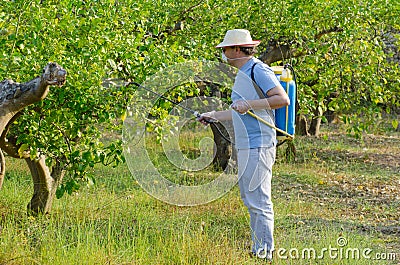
(316, 122)
(301, 125)
(3, 168)
(223, 151)
(7, 146)
(44, 185)
(14, 97)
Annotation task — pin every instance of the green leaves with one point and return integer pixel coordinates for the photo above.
(342, 67)
(70, 187)
(395, 124)
(22, 149)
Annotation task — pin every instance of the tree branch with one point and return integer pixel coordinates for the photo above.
(10, 145)
(179, 22)
(327, 31)
(15, 96)
(278, 52)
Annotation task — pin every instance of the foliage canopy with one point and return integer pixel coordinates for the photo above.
(336, 47)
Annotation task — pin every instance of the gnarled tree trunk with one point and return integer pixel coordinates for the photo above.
(14, 97)
(302, 125)
(316, 122)
(45, 184)
(223, 150)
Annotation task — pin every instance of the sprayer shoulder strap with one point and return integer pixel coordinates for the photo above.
(257, 88)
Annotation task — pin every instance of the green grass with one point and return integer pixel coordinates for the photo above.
(337, 187)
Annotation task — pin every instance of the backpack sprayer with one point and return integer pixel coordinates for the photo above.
(285, 116)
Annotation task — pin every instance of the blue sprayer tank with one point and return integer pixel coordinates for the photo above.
(285, 116)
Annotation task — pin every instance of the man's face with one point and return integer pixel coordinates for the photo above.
(230, 53)
(228, 50)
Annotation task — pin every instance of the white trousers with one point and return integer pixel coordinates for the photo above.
(255, 174)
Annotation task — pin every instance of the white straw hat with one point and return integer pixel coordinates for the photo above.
(238, 37)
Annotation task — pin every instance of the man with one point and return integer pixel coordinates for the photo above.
(255, 142)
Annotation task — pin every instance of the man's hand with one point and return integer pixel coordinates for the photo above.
(241, 106)
(207, 118)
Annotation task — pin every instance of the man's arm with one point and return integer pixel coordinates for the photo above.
(277, 98)
(224, 115)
